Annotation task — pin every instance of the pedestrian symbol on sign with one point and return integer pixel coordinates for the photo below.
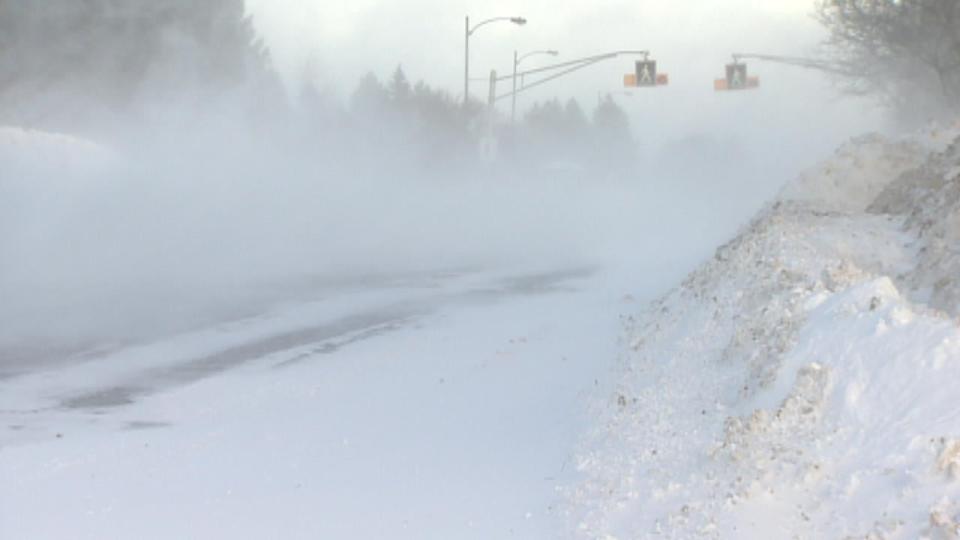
(647, 73)
(736, 76)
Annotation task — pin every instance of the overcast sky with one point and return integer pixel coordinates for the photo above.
(691, 39)
(426, 36)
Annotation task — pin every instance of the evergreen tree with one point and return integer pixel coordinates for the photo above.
(110, 53)
(400, 91)
(370, 97)
(614, 144)
(575, 119)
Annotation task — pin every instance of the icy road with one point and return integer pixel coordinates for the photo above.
(423, 405)
(441, 406)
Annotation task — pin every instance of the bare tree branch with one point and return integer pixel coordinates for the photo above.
(904, 51)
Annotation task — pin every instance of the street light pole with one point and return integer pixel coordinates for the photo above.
(513, 104)
(468, 31)
(516, 64)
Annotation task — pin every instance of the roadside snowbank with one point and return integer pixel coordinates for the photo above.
(928, 200)
(806, 381)
(31, 149)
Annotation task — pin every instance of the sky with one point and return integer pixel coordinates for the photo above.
(742, 147)
(334, 43)
(346, 39)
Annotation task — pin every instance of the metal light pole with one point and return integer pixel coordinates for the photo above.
(516, 64)
(468, 31)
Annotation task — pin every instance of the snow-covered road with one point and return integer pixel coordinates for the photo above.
(447, 407)
(419, 405)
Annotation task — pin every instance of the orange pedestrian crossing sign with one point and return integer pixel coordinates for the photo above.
(736, 76)
(647, 73)
(736, 79)
(645, 76)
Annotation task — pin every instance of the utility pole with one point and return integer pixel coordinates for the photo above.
(467, 32)
(516, 64)
(513, 104)
(466, 64)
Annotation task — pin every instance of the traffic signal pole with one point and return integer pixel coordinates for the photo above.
(808, 63)
(555, 71)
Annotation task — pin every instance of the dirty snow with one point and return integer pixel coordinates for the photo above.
(805, 383)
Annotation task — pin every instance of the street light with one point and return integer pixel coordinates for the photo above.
(516, 64)
(519, 21)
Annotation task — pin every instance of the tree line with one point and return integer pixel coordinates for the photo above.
(548, 134)
(77, 65)
(68, 64)
(62, 61)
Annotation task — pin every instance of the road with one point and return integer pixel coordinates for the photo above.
(437, 405)
(441, 408)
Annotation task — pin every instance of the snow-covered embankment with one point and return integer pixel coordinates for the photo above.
(805, 382)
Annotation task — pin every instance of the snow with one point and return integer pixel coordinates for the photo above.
(415, 404)
(457, 421)
(23, 148)
(853, 177)
(799, 384)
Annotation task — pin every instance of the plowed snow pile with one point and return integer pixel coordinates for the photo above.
(805, 383)
(29, 149)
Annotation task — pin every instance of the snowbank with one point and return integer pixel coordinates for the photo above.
(804, 382)
(859, 170)
(30, 149)
(928, 200)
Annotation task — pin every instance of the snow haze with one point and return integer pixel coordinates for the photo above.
(212, 190)
(692, 40)
(265, 272)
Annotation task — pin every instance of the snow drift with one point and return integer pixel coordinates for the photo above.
(805, 382)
